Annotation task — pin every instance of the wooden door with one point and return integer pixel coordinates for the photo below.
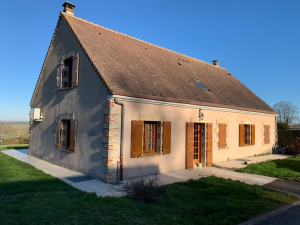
(189, 146)
(197, 144)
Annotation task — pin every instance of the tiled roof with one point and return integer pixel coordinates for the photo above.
(132, 67)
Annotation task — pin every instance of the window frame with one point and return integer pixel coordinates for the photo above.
(201, 85)
(68, 72)
(146, 137)
(162, 131)
(248, 139)
(66, 133)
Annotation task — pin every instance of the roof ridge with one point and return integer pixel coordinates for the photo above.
(142, 40)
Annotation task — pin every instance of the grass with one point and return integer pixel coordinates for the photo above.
(15, 146)
(29, 196)
(288, 169)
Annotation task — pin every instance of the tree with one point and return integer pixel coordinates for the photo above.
(287, 112)
(282, 126)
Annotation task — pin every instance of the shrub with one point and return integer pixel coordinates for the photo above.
(286, 138)
(142, 189)
(296, 147)
(16, 140)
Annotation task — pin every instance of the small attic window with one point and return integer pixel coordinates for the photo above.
(200, 84)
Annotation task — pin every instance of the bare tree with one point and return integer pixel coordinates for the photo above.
(288, 113)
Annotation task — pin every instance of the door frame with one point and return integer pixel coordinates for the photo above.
(205, 156)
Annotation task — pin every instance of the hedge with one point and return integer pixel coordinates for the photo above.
(287, 137)
(16, 140)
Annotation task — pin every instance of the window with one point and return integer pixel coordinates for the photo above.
(222, 135)
(66, 134)
(200, 84)
(149, 137)
(247, 135)
(67, 76)
(266, 134)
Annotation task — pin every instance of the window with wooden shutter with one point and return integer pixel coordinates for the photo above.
(57, 134)
(189, 146)
(267, 134)
(209, 144)
(68, 70)
(75, 67)
(60, 68)
(252, 134)
(242, 135)
(72, 135)
(137, 138)
(166, 138)
(149, 137)
(222, 135)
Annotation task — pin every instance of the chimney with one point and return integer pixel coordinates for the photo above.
(69, 8)
(216, 62)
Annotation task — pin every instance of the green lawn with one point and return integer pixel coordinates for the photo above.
(29, 196)
(16, 146)
(288, 169)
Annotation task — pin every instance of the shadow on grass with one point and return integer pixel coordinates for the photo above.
(288, 164)
(15, 148)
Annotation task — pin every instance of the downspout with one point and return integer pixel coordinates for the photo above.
(120, 177)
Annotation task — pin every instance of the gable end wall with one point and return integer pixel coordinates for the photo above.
(86, 102)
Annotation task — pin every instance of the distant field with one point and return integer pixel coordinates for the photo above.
(14, 129)
(14, 132)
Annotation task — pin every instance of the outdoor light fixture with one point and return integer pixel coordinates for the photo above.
(201, 115)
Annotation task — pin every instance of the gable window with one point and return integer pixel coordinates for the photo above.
(200, 84)
(150, 137)
(67, 76)
(66, 134)
(246, 135)
(266, 134)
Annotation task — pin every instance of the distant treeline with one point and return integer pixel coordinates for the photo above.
(14, 132)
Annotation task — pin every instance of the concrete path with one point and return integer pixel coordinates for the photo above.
(239, 163)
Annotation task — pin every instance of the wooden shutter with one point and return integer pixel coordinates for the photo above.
(167, 138)
(242, 135)
(73, 135)
(57, 134)
(60, 68)
(75, 66)
(189, 146)
(267, 134)
(209, 144)
(252, 134)
(222, 135)
(136, 138)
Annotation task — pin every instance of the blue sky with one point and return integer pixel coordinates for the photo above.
(257, 41)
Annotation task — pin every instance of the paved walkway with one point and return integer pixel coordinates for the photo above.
(103, 189)
(239, 163)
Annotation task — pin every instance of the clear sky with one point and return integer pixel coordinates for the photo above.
(258, 41)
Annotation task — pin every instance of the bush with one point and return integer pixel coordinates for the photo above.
(16, 140)
(282, 126)
(287, 137)
(143, 189)
(296, 147)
